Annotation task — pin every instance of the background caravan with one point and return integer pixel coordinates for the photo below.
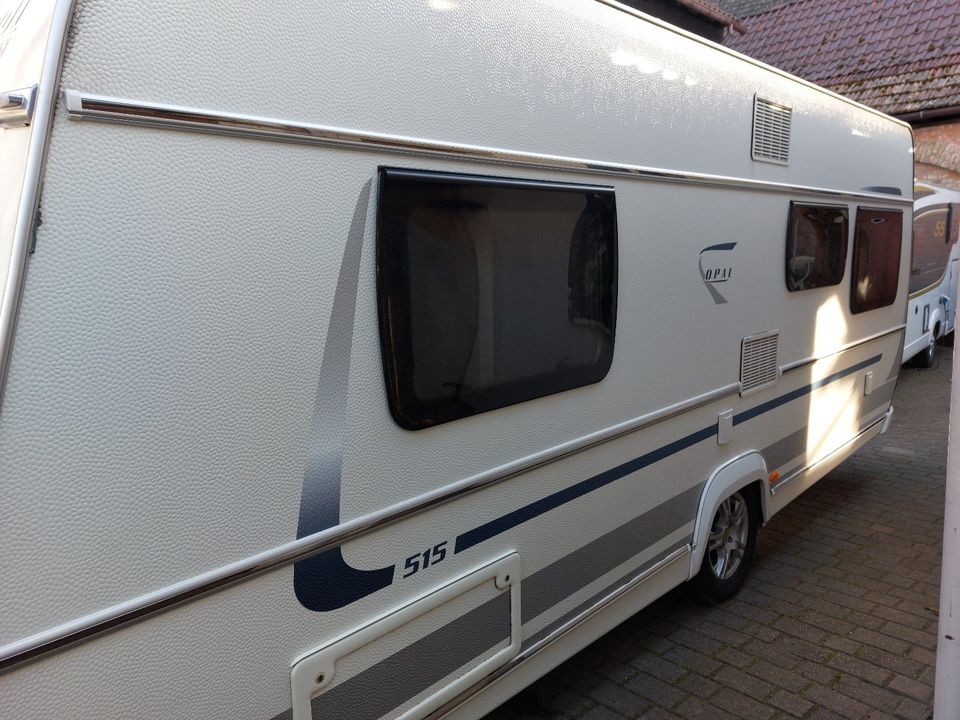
(932, 307)
(366, 361)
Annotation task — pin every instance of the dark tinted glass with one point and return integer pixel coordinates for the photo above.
(816, 246)
(876, 259)
(491, 291)
(931, 246)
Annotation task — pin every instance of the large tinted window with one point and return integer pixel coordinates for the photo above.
(876, 259)
(491, 291)
(932, 239)
(816, 246)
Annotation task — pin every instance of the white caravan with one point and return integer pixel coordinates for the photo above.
(932, 307)
(368, 359)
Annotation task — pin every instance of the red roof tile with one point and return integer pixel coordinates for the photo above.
(896, 56)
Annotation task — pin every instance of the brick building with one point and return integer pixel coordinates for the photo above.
(898, 57)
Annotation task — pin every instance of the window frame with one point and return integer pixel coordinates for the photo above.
(398, 375)
(791, 242)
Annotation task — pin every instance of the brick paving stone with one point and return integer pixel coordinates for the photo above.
(734, 657)
(790, 702)
(741, 705)
(861, 668)
(901, 664)
(838, 618)
(821, 713)
(659, 667)
(695, 709)
(875, 696)
(747, 684)
(842, 644)
(619, 699)
(656, 713)
(773, 653)
(599, 712)
(784, 679)
(879, 715)
(879, 640)
(761, 632)
(836, 701)
(914, 688)
(910, 635)
(913, 710)
(820, 674)
(721, 633)
(664, 694)
(615, 670)
(692, 660)
(698, 685)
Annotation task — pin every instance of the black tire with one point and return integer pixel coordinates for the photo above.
(928, 357)
(718, 580)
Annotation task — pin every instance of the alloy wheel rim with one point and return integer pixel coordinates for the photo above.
(728, 537)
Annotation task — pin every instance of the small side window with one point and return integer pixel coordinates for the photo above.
(491, 291)
(876, 259)
(931, 247)
(954, 223)
(816, 246)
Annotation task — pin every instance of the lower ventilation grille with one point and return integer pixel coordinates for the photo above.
(759, 361)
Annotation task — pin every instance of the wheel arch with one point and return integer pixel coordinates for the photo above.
(935, 321)
(747, 470)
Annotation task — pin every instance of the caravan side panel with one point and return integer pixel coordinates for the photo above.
(205, 487)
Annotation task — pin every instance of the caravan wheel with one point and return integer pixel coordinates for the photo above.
(928, 357)
(730, 546)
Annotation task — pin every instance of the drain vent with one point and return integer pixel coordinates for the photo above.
(759, 361)
(771, 132)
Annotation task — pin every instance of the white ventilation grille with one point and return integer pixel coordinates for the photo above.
(759, 361)
(771, 132)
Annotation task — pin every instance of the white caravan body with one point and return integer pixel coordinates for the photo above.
(932, 305)
(368, 359)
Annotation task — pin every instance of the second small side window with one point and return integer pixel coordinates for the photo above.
(816, 246)
(876, 259)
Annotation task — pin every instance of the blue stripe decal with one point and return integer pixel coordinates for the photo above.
(800, 392)
(501, 524)
(493, 528)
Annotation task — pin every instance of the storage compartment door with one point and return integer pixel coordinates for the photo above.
(411, 661)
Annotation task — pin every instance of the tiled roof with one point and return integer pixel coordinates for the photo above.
(899, 57)
(714, 13)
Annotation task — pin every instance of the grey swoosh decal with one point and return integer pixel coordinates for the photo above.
(325, 581)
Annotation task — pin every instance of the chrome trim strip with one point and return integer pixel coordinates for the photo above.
(16, 107)
(42, 122)
(561, 630)
(796, 364)
(774, 489)
(141, 607)
(85, 106)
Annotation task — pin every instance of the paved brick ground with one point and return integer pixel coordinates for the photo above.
(837, 619)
